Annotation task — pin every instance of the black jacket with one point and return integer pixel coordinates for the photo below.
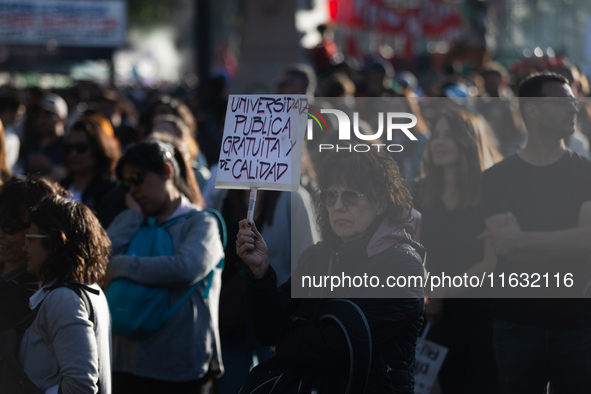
(16, 288)
(304, 340)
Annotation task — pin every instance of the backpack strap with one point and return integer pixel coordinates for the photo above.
(222, 225)
(82, 291)
(178, 219)
(224, 238)
(209, 277)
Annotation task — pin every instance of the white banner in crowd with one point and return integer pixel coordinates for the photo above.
(262, 143)
(428, 360)
(69, 23)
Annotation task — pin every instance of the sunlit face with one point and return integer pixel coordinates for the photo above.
(36, 253)
(557, 110)
(443, 148)
(11, 241)
(150, 193)
(78, 152)
(352, 222)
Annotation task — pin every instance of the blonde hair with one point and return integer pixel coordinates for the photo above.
(5, 172)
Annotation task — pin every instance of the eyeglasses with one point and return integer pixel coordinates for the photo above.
(349, 198)
(28, 237)
(80, 148)
(136, 179)
(12, 226)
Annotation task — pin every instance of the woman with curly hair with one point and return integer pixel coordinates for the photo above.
(67, 346)
(363, 338)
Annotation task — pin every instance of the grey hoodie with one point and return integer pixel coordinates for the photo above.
(183, 348)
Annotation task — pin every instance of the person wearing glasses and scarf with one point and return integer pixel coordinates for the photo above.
(183, 355)
(350, 338)
(16, 284)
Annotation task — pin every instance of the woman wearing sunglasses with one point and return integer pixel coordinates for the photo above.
(366, 342)
(67, 346)
(90, 156)
(449, 194)
(16, 285)
(183, 355)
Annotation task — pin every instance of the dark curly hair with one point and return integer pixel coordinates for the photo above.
(78, 247)
(373, 173)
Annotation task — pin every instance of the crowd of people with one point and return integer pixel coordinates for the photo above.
(104, 192)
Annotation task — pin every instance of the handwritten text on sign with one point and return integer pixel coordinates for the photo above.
(428, 360)
(262, 141)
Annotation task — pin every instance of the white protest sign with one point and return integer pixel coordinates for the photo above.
(262, 143)
(428, 360)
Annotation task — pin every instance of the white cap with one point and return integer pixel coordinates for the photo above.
(53, 103)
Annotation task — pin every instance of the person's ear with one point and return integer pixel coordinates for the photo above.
(168, 170)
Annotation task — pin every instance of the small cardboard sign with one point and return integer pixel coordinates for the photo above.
(262, 143)
(429, 358)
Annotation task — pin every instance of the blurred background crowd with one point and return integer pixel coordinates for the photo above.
(151, 70)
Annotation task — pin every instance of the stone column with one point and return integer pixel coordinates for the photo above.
(270, 42)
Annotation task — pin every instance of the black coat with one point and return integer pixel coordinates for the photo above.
(304, 339)
(16, 288)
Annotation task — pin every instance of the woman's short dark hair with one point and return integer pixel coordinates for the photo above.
(373, 173)
(78, 246)
(20, 195)
(531, 86)
(103, 145)
(151, 156)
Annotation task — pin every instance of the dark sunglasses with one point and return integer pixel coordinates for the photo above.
(80, 148)
(136, 179)
(12, 226)
(349, 198)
